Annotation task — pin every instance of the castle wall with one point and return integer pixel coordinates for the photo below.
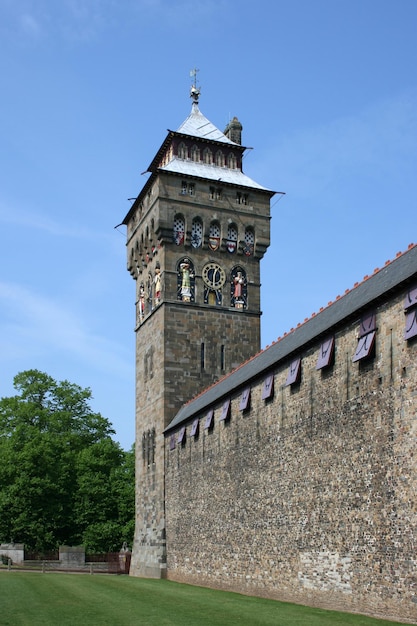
(309, 496)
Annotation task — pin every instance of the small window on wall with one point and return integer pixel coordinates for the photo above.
(195, 428)
(214, 236)
(268, 387)
(207, 156)
(222, 357)
(249, 242)
(197, 233)
(181, 436)
(241, 198)
(366, 342)
(220, 160)
(244, 400)
(232, 161)
(187, 189)
(410, 324)
(225, 414)
(410, 306)
(215, 193)
(365, 347)
(294, 373)
(202, 356)
(209, 421)
(182, 151)
(195, 153)
(231, 243)
(326, 354)
(179, 230)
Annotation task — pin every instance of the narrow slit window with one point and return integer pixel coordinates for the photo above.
(222, 357)
(202, 356)
(294, 373)
(172, 442)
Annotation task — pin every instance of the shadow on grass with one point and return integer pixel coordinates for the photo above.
(83, 600)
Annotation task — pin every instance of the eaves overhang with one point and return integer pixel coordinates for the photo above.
(395, 275)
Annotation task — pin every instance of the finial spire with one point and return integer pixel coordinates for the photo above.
(194, 91)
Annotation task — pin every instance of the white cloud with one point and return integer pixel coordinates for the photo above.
(39, 325)
(30, 25)
(41, 222)
(379, 141)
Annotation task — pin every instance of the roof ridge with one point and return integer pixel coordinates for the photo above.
(307, 319)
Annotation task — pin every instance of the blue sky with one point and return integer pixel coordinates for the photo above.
(326, 91)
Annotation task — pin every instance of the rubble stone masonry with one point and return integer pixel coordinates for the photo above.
(308, 496)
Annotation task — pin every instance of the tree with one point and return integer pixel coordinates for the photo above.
(59, 468)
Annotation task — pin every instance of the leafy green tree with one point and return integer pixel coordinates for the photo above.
(59, 469)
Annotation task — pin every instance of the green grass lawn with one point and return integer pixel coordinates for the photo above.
(34, 598)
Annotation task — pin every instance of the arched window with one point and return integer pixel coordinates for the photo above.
(179, 230)
(182, 151)
(195, 153)
(232, 161)
(249, 242)
(185, 280)
(197, 233)
(231, 243)
(214, 236)
(238, 288)
(220, 158)
(207, 156)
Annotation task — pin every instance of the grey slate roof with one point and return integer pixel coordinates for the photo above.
(197, 125)
(210, 172)
(375, 288)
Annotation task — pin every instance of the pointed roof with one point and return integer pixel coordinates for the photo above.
(197, 125)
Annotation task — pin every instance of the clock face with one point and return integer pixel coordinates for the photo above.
(214, 276)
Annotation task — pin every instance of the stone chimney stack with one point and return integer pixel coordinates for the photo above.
(234, 131)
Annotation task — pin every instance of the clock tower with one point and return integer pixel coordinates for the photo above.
(195, 236)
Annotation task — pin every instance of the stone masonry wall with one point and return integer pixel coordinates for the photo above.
(310, 496)
(148, 554)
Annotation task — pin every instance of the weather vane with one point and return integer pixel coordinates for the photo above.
(194, 91)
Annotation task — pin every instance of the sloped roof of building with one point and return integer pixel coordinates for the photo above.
(197, 125)
(211, 172)
(373, 289)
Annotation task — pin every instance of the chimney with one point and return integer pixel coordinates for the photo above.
(234, 131)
